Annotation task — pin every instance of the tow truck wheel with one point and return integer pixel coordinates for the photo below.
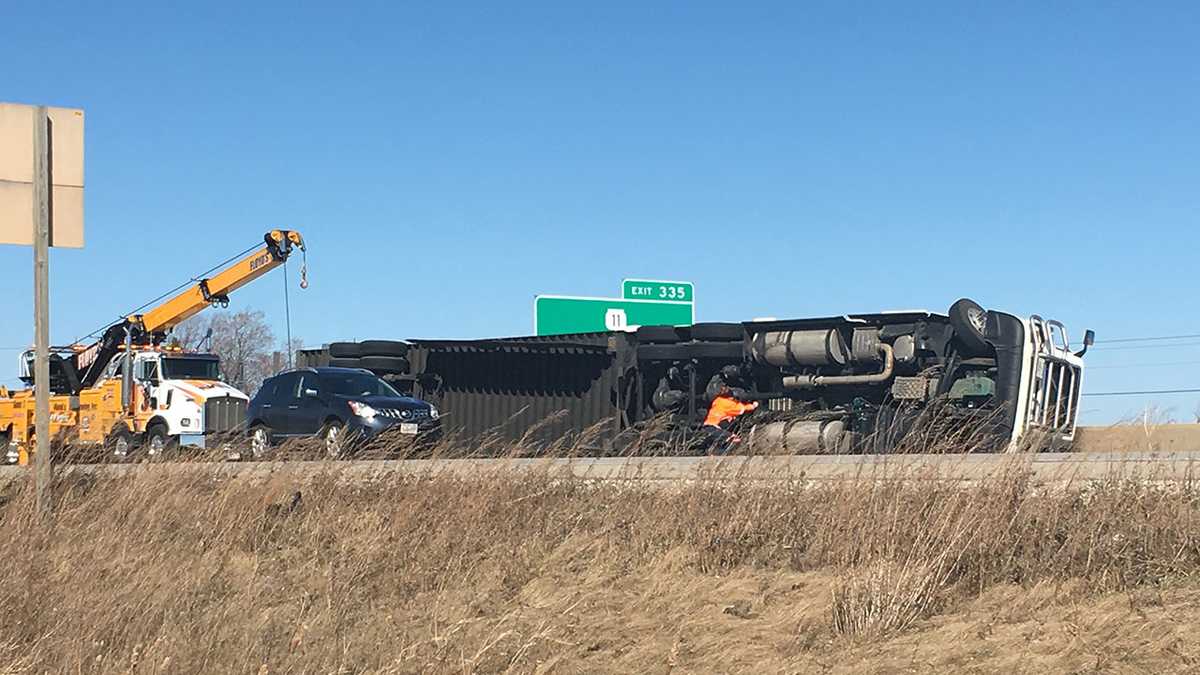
(158, 441)
(120, 443)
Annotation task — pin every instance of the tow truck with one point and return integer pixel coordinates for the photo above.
(130, 389)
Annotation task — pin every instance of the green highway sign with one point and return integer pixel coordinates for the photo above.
(560, 314)
(653, 289)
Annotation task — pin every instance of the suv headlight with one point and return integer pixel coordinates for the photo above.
(433, 412)
(362, 410)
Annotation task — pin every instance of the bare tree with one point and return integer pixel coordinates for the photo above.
(243, 340)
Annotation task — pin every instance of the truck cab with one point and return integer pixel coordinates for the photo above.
(1047, 403)
(178, 399)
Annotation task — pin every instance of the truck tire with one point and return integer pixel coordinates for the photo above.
(5, 439)
(346, 363)
(383, 348)
(158, 442)
(345, 350)
(970, 321)
(728, 351)
(119, 445)
(659, 334)
(718, 332)
(677, 352)
(385, 365)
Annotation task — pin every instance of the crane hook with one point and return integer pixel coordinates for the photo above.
(304, 268)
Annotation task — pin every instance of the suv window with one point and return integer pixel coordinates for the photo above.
(284, 387)
(357, 383)
(308, 381)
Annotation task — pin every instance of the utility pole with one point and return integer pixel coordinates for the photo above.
(42, 220)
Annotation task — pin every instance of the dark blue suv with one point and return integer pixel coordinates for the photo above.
(339, 405)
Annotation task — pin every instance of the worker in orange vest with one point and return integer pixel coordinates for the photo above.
(723, 411)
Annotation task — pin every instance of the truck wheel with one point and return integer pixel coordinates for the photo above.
(385, 365)
(119, 444)
(672, 352)
(970, 323)
(651, 334)
(159, 442)
(718, 332)
(344, 350)
(729, 351)
(347, 362)
(383, 348)
(260, 441)
(9, 456)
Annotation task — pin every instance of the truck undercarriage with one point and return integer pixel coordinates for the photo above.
(901, 381)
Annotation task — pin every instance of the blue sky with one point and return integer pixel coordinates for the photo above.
(447, 162)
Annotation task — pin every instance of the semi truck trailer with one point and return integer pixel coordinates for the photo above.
(871, 382)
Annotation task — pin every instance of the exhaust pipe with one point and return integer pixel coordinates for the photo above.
(810, 381)
(127, 373)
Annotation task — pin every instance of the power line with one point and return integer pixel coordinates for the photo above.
(178, 288)
(1141, 393)
(1168, 345)
(1152, 338)
(1145, 365)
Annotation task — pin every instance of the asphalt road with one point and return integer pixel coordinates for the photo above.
(1062, 468)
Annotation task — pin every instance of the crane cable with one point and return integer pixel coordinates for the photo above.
(287, 302)
(287, 310)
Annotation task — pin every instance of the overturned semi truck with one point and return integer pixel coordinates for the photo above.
(970, 379)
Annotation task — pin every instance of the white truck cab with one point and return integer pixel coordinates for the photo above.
(183, 400)
(1047, 402)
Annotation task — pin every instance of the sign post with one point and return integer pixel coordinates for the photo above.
(41, 306)
(41, 205)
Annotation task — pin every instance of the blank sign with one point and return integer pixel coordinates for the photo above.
(16, 175)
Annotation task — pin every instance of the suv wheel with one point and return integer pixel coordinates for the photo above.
(260, 441)
(334, 439)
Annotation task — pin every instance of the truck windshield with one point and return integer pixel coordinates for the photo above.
(175, 368)
(356, 384)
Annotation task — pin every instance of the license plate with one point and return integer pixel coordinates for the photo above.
(408, 428)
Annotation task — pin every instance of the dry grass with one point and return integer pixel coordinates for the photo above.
(157, 572)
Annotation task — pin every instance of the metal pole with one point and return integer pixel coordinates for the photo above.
(41, 306)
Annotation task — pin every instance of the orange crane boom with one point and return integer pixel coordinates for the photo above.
(278, 246)
(82, 369)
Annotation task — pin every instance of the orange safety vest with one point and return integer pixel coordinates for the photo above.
(725, 408)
